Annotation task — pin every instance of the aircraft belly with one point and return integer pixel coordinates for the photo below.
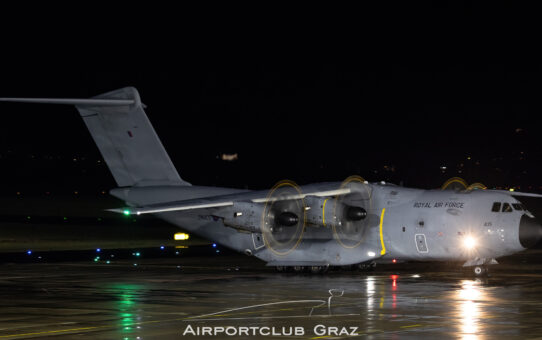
(213, 230)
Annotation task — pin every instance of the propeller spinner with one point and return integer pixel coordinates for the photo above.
(351, 212)
(283, 218)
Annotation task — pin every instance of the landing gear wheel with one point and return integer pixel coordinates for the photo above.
(298, 269)
(480, 270)
(366, 266)
(318, 269)
(280, 269)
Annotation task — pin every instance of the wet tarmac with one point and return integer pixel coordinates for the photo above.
(236, 297)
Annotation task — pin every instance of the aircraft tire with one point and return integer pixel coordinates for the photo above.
(480, 270)
(316, 269)
(298, 269)
(280, 269)
(365, 267)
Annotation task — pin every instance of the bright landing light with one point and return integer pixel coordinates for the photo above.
(469, 242)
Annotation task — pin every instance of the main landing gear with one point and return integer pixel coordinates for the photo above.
(303, 269)
(365, 267)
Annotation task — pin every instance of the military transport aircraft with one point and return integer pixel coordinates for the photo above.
(310, 227)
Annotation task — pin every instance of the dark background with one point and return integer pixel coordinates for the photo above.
(411, 94)
(313, 122)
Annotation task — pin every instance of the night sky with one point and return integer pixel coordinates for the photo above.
(410, 123)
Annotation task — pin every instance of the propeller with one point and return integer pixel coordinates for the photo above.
(283, 218)
(455, 183)
(458, 183)
(351, 212)
(476, 186)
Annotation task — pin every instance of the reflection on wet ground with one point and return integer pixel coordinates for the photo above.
(166, 298)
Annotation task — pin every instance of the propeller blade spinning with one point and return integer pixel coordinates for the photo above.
(283, 218)
(351, 212)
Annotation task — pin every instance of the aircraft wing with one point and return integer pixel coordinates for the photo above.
(223, 201)
(517, 193)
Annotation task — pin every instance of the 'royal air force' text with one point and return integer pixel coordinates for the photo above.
(457, 205)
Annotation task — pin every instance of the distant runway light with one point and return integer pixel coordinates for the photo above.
(229, 157)
(181, 236)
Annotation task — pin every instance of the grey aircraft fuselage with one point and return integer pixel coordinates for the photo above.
(411, 224)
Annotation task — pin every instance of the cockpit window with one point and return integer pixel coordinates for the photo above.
(496, 207)
(517, 206)
(506, 207)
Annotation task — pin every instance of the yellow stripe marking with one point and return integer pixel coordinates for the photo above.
(417, 325)
(324, 211)
(382, 236)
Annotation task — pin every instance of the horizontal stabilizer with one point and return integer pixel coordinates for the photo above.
(70, 101)
(139, 211)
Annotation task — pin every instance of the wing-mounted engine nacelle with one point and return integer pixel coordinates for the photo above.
(326, 211)
(246, 216)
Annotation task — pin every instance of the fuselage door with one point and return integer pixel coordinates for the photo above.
(257, 239)
(421, 243)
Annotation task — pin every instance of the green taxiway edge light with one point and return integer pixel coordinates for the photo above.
(126, 212)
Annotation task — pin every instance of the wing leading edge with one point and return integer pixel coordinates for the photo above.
(220, 201)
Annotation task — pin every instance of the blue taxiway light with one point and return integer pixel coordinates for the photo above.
(98, 250)
(214, 245)
(29, 252)
(162, 247)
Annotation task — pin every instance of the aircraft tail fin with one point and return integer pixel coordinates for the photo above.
(126, 139)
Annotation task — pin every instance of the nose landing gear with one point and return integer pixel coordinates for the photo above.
(480, 270)
(480, 266)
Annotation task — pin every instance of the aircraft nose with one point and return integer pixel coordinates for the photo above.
(530, 231)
